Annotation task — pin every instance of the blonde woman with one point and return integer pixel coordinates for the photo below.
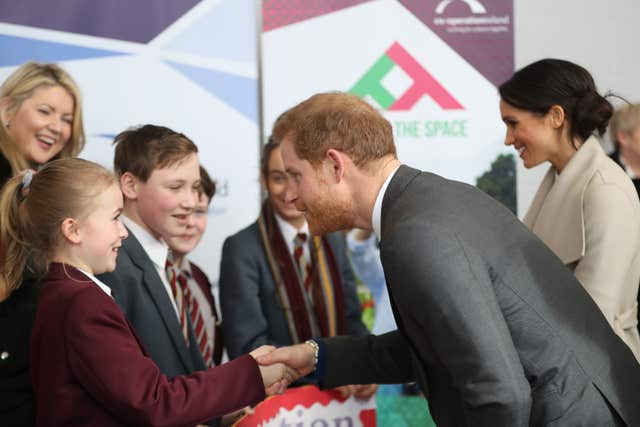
(40, 120)
(624, 131)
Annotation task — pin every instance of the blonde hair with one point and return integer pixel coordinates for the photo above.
(31, 214)
(625, 119)
(18, 87)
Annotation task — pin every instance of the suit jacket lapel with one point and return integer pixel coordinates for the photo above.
(397, 186)
(403, 176)
(153, 283)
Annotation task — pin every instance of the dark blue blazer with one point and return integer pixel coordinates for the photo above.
(251, 309)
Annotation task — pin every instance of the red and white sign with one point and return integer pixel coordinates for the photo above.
(309, 406)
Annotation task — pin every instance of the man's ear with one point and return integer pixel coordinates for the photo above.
(556, 116)
(336, 162)
(70, 231)
(129, 185)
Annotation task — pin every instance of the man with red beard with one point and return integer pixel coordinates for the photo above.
(491, 324)
(278, 284)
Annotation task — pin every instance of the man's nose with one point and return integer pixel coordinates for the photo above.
(290, 194)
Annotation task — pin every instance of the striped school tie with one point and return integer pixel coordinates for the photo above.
(178, 298)
(304, 267)
(197, 319)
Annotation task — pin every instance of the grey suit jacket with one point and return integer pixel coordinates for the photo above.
(496, 330)
(139, 292)
(251, 309)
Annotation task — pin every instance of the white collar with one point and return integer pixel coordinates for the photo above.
(157, 250)
(376, 215)
(94, 279)
(288, 231)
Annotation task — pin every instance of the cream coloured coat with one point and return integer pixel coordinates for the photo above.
(589, 215)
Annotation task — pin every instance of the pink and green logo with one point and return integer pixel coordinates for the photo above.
(423, 83)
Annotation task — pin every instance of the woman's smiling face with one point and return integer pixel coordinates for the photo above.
(41, 126)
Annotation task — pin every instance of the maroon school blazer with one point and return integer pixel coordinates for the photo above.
(89, 368)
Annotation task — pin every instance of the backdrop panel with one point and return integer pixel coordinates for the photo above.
(189, 65)
(431, 66)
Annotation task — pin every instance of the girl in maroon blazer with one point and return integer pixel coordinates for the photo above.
(88, 367)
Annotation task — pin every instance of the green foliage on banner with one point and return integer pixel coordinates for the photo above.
(500, 181)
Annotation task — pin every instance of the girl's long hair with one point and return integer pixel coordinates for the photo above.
(31, 214)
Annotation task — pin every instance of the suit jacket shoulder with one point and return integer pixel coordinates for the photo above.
(248, 239)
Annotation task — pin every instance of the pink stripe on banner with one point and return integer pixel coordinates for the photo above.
(280, 13)
(423, 83)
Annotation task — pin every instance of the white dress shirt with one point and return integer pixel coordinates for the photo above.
(289, 233)
(94, 279)
(376, 215)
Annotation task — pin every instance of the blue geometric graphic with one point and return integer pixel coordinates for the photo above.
(227, 31)
(137, 21)
(239, 92)
(110, 136)
(17, 50)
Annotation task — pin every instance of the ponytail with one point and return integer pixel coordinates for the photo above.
(32, 208)
(14, 251)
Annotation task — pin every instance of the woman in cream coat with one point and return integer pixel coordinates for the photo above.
(586, 209)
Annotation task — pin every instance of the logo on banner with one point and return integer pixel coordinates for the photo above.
(423, 83)
(371, 85)
(453, 22)
(475, 6)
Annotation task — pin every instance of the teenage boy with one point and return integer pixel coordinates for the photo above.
(160, 180)
(279, 285)
(192, 281)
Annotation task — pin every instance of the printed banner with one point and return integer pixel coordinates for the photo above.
(430, 66)
(310, 406)
(190, 65)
